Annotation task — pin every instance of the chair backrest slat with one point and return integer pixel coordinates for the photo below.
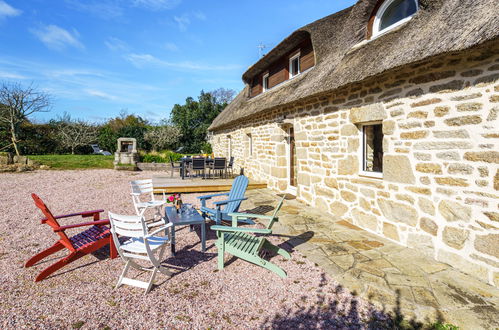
(127, 225)
(142, 186)
(52, 222)
(237, 191)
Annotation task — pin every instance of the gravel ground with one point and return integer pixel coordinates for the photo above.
(82, 295)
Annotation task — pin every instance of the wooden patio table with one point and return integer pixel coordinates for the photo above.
(185, 218)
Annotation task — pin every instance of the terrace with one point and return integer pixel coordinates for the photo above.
(339, 275)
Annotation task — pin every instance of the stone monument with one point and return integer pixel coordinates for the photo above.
(126, 156)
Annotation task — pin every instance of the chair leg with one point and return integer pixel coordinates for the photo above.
(123, 273)
(221, 249)
(274, 268)
(53, 249)
(58, 265)
(151, 280)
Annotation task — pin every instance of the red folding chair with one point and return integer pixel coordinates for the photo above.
(79, 245)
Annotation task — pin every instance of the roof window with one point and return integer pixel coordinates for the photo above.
(391, 14)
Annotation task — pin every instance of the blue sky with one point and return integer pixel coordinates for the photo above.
(97, 57)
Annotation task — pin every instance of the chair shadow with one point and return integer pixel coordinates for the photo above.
(328, 313)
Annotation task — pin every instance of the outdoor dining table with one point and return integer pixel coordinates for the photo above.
(187, 216)
(185, 161)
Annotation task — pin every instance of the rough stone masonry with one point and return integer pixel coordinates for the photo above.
(440, 185)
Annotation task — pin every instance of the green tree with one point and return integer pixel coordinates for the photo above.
(194, 117)
(125, 125)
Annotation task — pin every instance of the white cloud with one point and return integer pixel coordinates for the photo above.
(199, 15)
(171, 47)
(7, 10)
(102, 9)
(182, 22)
(57, 38)
(101, 94)
(116, 44)
(141, 60)
(156, 4)
(11, 75)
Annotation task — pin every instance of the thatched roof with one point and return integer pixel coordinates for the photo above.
(440, 26)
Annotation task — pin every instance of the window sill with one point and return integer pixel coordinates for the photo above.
(371, 175)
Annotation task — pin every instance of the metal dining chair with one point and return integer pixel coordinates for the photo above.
(174, 166)
(230, 167)
(198, 165)
(219, 164)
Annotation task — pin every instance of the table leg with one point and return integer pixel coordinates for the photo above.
(203, 236)
(173, 241)
(182, 170)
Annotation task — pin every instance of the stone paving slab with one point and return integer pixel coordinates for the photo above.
(392, 277)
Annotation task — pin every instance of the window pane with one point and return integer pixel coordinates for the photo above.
(295, 66)
(373, 148)
(396, 11)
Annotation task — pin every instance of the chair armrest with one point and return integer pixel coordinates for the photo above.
(84, 214)
(249, 215)
(210, 196)
(91, 223)
(243, 230)
(168, 225)
(229, 200)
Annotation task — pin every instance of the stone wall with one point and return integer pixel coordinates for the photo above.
(439, 191)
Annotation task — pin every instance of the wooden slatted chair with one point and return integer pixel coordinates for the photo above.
(241, 243)
(231, 205)
(145, 187)
(88, 241)
(140, 245)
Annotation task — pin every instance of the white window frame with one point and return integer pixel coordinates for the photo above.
(377, 20)
(291, 59)
(265, 85)
(362, 172)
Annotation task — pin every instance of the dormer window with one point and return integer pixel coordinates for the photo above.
(391, 14)
(265, 82)
(294, 65)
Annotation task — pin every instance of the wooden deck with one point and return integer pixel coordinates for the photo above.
(177, 185)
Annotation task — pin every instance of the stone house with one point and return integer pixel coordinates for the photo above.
(384, 114)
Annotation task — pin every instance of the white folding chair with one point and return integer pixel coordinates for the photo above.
(139, 245)
(145, 187)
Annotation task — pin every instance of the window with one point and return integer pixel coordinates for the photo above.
(294, 65)
(265, 82)
(372, 149)
(250, 144)
(392, 13)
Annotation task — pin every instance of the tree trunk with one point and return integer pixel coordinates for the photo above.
(72, 150)
(14, 139)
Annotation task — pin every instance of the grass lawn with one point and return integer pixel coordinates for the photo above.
(72, 162)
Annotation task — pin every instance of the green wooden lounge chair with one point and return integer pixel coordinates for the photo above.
(223, 208)
(241, 242)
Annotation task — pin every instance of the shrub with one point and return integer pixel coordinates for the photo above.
(159, 157)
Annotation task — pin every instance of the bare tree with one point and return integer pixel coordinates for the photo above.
(17, 104)
(163, 137)
(75, 133)
(223, 95)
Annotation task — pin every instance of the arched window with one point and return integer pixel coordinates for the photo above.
(390, 14)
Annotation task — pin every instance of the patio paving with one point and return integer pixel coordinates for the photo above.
(397, 279)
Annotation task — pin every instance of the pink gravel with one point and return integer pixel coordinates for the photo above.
(197, 296)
